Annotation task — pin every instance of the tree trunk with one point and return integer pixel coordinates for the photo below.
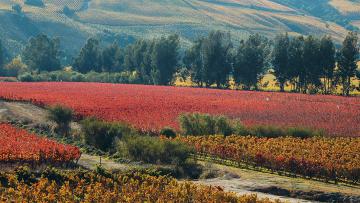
(282, 86)
(348, 86)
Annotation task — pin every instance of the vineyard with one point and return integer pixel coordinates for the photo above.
(19, 146)
(94, 187)
(151, 108)
(323, 158)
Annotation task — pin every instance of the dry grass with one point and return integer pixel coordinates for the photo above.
(346, 7)
(252, 179)
(146, 19)
(268, 83)
(138, 17)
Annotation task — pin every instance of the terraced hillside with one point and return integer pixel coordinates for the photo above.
(128, 19)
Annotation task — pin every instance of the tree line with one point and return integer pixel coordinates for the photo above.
(307, 64)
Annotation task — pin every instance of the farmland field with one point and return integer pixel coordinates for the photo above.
(73, 186)
(152, 107)
(19, 146)
(334, 159)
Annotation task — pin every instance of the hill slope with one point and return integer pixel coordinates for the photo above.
(128, 19)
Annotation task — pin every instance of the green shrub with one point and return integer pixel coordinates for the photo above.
(73, 76)
(144, 148)
(62, 116)
(168, 132)
(224, 126)
(240, 129)
(101, 134)
(267, 131)
(204, 124)
(155, 150)
(77, 77)
(189, 169)
(303, 132)
(27, 77)
(198, 124)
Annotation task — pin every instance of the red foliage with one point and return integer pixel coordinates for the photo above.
(20, 146)
(153, 107)
(321, 157)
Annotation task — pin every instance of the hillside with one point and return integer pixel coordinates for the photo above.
(129, 19)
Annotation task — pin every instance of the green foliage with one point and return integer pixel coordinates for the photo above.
(304, 132)
(274, 132)
(347, 61)
(42, 53)
(296, 62)
(190, 169)
(112, 58)
(73, 76)
(168, 132)
(27, 77)
(15, 68)
(1, 57)
(280, 60)
(307, 63)
(102, 134)
(155, 60)
(209, 59)
(62, 116)
(251, 60)
(89, 58)
(102, 171)
(204, 124)
(267, 131)
(304, 62)
(312, 66)
(164, 59)
(327, 63)
(155, 150)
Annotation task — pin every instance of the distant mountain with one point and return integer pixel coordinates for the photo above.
(73, 21)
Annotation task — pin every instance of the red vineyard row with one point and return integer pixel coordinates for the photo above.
(324, 158)
(18, 145)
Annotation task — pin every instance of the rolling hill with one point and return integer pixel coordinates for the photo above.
(126, 20)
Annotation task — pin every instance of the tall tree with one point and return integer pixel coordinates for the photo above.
(89, 58)
(280, 60)
(327, 62)
(137, 57)
(296, 62)
(42, 53)
(194, 62)
(250, 61)
(312, 66)
(210, 59)
(216, 53)
(347, 61)
(164, 59)
(112, 58)
(2, 62)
